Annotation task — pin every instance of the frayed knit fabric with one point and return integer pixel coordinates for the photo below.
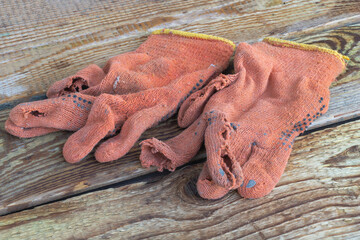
(68, 112)
(192, 108)
(171, 154)
(189, 61)
(86, 78)
(289, 87)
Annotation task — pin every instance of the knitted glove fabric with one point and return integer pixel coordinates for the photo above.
(248, 147)
(163, 57)
(68, 112)
(84, 79)
(201, 58)
(247, 84)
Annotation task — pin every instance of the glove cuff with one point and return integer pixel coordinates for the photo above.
(193, 35)
(306, 47)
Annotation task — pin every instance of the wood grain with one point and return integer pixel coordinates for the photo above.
(318, 197)
(44, 41)
(33, 170)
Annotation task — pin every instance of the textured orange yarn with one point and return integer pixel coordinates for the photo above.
(68, 112)
(24, 132)
(250, 81)
(187, 62)
(162, 58)
(280, 89)
(86, 78)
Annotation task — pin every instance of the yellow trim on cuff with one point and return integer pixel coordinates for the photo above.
(193, 35)
(307, 47)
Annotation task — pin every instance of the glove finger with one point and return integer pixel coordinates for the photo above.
(207, 188)
(82, 80)
(68, 112)
(223, 166)
(101, 121)
(176, 151)
(131, 131)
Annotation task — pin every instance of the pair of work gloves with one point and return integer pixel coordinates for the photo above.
(248, 120)
(132, 92)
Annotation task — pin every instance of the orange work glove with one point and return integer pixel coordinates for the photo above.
(248, 141)
(195, 58)
(162, 58)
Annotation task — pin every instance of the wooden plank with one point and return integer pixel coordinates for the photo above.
(34, 172)
(317, 197)
(46, 41)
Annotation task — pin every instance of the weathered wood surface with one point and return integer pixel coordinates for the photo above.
(34, 171)
(317, 197)
(44, 41)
